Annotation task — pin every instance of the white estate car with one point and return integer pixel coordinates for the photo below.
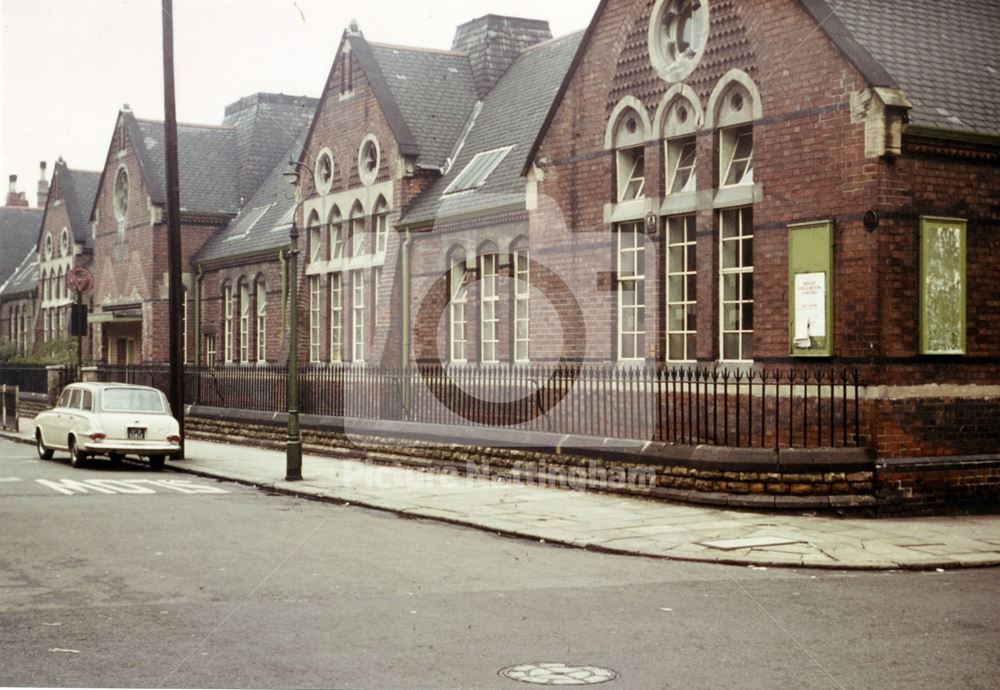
(113, 419)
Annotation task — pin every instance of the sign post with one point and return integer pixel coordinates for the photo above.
(79, 280)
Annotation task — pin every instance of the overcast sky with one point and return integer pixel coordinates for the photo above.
(67, 66)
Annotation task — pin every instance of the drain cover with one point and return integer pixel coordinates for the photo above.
(558, 674)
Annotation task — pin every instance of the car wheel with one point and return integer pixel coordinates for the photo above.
(76, 457)
(43, 452)
(156, 462)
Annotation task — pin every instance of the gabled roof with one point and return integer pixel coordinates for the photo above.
(511, 116)
(18, 234)
(24, 279)
(263, 222)
(945, 56)
(433, 92)
(78, 189)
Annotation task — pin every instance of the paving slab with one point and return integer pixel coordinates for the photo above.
(637, 526)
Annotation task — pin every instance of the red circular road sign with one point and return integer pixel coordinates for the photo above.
(79, 280)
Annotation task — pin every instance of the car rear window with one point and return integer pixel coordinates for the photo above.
(131, 400)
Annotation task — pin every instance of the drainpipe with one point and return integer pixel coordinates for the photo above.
(404, 357)
(198, 281)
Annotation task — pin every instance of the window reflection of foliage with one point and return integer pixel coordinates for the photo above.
(944, 290)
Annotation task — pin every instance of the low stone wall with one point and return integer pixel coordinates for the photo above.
(841, 479)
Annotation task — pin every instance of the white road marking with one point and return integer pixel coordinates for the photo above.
(8, 480)
(74, 487)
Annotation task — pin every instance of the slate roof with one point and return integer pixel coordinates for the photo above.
(24, 280)
(511, 115)
(19, 228)
(432, 92)
(945, 56)
(264, 221)
(79, 188)
(207, 158)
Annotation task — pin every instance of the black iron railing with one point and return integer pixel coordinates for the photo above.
(30, 378)
(780, 408)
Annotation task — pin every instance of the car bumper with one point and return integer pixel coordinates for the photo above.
(130, 447)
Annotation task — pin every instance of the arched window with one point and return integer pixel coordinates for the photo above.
(357, 231)
(337, 317)
(521, 315)
(380, 217)
(244, 321)
(630, 157)
(489, 303)
(227, 322)
(336, 224)
(458, 292)
(315, 238)
(261, 320)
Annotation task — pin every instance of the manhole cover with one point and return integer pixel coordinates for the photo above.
(558, 674)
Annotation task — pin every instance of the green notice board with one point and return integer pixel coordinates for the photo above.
(942, 286)
(810, 289)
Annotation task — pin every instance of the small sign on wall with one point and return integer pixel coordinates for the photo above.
(810, 289)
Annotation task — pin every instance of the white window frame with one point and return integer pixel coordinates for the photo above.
(357, 224)
(458, 296)
(376, 284)
(244, 322)
(184, 327)
(522, 305)
(314, 319)
(261, 321)
(681, 286)
(631, 278)
(315, 238)
(380, 218)
(730, 139)
(682, 156)
(337, 317)
(489, 307)
(336, 247)
(358, 316)
(631, 180)
(736, 270)
(227, 322)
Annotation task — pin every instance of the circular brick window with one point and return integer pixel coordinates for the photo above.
(369, 159)
(121, 195)
(323, 176)
(678, 32)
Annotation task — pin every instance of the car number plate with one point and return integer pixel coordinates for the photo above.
(136, 434)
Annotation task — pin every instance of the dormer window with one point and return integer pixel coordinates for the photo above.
(475, 174)
(737, 156)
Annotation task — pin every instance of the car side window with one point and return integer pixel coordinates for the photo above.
(64, 398)
(87, 404)
(74, 402)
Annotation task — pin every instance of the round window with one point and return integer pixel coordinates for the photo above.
(678, 32)
(48, 246)
(368, 159)
(64, 243)
(121, 195)
(324, 171)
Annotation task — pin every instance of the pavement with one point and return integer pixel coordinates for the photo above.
(613, 523)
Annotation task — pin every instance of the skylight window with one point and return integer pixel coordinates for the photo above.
(479, 168)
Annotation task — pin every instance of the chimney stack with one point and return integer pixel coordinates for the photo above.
(493, 44)
(14, 197)
(43, 186)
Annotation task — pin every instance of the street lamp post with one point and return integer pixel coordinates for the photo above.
(293, 448)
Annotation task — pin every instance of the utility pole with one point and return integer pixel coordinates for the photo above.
(176, 297)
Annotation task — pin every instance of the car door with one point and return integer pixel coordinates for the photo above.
(78, 413)
(56, 424)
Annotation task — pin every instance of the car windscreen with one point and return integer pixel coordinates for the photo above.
(131, 400)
